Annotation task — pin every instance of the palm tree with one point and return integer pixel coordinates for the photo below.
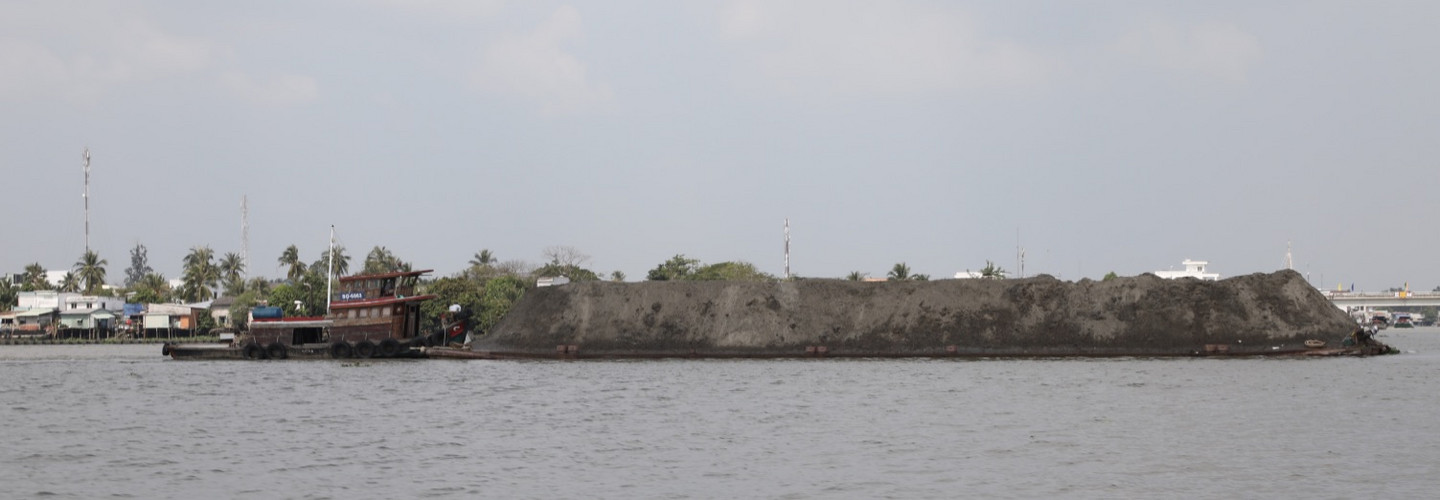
(35, 278)
(8, 295)
(381, 260)
(482, 258)
(295, 269)
(70, 283)
(200, 274)
(342, 261)
(992, 271)
(855, 276)
(152, 288)
(259, 286)
(900, 272)
(232, 268)
(91, 270)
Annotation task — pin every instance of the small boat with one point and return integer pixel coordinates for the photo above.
(1381, 320)
(1402, 320)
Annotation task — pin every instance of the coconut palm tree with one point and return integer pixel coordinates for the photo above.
(381, 260)
(70, 283)
(90, 269)
(35, 278)
(9, 296)
(232, 270)
(259, 286)
(900, 272)
(200, 274)
(992, 271)
(855, 276)
(482, 258)
(342, 261)
(290, 258)
(152, 288)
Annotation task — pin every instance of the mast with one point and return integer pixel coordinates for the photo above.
(330, 273)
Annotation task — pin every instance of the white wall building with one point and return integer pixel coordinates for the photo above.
(1193, 269)
(41, 299)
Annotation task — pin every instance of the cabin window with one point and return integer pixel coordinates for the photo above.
(385, 312)
(353, 314)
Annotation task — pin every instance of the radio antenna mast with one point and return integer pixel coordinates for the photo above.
(330, 272)
(87, 200)
(245, 234)
(787, 248)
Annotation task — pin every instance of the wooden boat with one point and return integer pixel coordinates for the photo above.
(371, 315)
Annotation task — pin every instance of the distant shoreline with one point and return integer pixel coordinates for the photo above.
(46, 341)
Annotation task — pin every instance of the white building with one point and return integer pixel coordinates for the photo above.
(41, 299)
(1193, 269)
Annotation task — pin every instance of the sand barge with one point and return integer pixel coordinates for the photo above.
(1275, 313)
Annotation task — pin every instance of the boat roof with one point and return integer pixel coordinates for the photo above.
(395, 274)
(303, 322)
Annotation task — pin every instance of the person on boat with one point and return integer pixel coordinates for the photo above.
(1363, 336)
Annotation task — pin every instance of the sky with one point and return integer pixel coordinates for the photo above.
(1098, 136)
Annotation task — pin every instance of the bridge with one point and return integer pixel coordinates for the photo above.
(1354, 301)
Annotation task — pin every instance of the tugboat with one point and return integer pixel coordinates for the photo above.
(371, 315)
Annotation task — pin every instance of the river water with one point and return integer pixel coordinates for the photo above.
(121, 421)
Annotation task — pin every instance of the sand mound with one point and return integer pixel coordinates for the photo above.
(1143, 315)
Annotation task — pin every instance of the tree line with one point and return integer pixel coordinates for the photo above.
(487, 287)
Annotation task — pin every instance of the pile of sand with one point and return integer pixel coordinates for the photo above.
(1041, 316)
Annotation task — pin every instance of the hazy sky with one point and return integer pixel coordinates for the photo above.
(1107, 136)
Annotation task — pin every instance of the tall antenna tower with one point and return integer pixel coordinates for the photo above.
(245, 234)
(1289, 260)
(1019, 254)
(87, 199)
(787, 248)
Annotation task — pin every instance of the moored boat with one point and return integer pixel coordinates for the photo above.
(372, 315)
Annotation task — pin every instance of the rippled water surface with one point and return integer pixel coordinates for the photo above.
(121, 421)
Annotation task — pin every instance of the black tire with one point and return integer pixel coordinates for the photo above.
(389, 348)
(165, 349)
(364, 349)
(341, 350)
(277, 350)
(252, 351)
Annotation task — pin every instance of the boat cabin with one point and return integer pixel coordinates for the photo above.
(376, 306)
(289, 331)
